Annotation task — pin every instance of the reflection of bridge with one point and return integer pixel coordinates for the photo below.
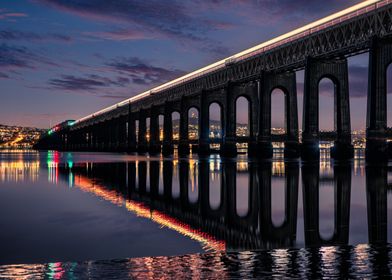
(321, 48)
(183, 196)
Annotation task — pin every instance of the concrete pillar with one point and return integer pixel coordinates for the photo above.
(380, 56)
(337, 71)
(154, 145)
(183, 144)
(142, 141)
(167, 148)
(229, 148)
(287, 83)
(131, 131)
(204, 123)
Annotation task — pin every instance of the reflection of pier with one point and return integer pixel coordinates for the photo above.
(231, 201)
(311, 185)
(377, 183)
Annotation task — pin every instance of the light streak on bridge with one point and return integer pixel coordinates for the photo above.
(334, 19)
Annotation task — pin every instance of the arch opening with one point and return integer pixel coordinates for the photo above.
(176, 125)
(215, 121)
(160, 124)
(278, 120)
(242, 117)
(193, 124)
(327, 91)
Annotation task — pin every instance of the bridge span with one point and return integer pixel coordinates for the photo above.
(320, 48)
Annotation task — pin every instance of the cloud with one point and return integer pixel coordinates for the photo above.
(15, 35)
(121, 35)
(142, 72)
(14, 58)
(11, 15)
(86, 83)
(172, 20)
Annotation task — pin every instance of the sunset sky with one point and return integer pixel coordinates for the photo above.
(64, 59)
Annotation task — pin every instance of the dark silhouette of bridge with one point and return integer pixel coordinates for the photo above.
(320, 48)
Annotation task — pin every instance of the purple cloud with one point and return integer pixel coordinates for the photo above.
(172, 20)
(87, 83)
(14, 58)
(143, 73)
(15, 35)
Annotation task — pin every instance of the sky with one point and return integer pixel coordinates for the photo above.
(65, 59)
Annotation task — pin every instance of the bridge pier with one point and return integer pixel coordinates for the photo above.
(380, 56)
(142, 141)
(204, 138)
(229, 147)
(183, 143)
(167, 146)
(337, 71)
(131, 132)
(287, 83)
(154, 144)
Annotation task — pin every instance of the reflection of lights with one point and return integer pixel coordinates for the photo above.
(208, 241)
(242, 166)
(55, 271)
(22, 272)
(278, 168)
(361, 258)
(141, 210)
(16, 171)
(193, 175)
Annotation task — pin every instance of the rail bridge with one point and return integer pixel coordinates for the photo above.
(320, 48)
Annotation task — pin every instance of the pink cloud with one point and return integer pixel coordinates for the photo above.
(12, 15)
(122, 35)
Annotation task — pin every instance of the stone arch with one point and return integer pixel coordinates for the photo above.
(215, 111)
(248, 132)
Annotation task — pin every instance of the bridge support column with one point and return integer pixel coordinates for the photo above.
(204, 143)
(131, 132)
(142, 141)
(154, 145)
(380, 57)
(229, 147)
(337, 71)
(183, 143)
(167, 148)
(269, 82)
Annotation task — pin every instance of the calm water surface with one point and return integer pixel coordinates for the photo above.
(199, 217)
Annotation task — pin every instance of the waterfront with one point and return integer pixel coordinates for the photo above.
(195, 215)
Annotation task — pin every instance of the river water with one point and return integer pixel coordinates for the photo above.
(102, 216)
